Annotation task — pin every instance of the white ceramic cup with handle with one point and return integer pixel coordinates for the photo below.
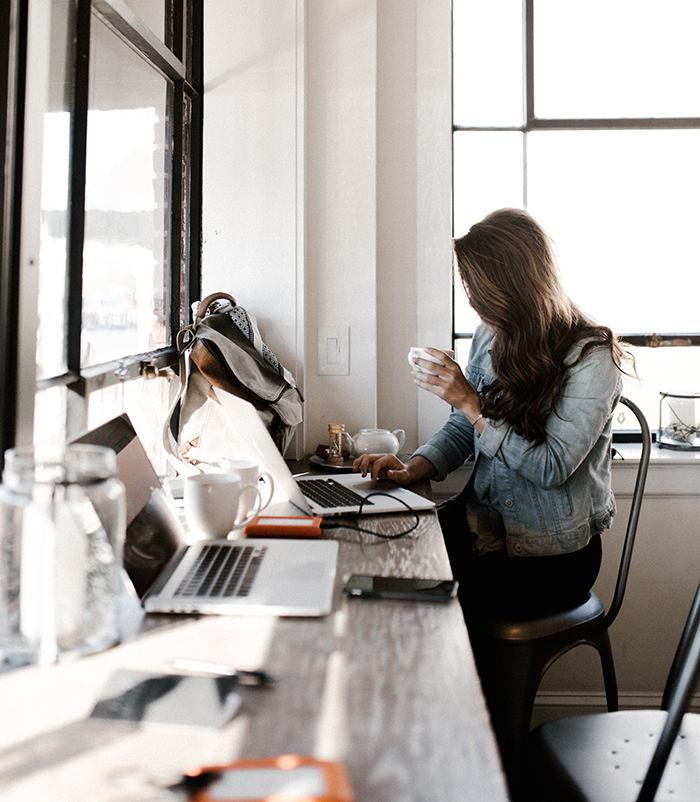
(254, 481)
(215, 503)
(420, 353)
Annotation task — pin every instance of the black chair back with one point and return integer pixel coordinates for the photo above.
(682, 681)
(633, 520)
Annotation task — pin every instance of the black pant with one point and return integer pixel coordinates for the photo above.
(496, 585)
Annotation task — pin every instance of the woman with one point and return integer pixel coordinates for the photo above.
(535, 407)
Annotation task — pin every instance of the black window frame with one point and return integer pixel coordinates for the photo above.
(183, 40)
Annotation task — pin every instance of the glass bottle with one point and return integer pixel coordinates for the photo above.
(62, 528)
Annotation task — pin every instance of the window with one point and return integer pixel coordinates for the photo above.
(118, 200)
(588, 114)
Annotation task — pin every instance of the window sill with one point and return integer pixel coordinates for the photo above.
(657, 456)
(672, 473)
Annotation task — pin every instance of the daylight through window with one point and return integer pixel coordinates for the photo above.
(589, 116)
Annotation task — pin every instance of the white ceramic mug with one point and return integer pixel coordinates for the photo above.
(214, 503)
(420, 353)
(254, 480)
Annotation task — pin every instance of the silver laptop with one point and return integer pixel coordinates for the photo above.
(239, 426)
(262, 576)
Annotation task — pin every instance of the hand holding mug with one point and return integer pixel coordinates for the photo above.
(423, 353)
(447, 381)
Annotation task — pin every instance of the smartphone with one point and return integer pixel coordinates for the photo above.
(396, 587)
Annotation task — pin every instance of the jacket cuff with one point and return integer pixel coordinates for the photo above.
(437, 458)
(491, 438)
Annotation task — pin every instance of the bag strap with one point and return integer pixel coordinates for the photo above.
(184, 339)
(205, 303)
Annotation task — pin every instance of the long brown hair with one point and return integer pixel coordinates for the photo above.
(510, 273)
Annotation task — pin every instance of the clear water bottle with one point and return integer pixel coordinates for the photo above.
(62, 527)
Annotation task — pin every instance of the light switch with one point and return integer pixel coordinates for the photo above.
(333, 351)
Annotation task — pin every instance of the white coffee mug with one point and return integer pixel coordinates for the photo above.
(214, 503)
(420, 353)
(253, 480)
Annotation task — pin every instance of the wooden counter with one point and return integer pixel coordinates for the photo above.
(390, 688)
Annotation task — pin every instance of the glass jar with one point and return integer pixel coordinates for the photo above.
(62, 527)
(679, 421)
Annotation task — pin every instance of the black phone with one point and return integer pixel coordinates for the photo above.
(397, 587)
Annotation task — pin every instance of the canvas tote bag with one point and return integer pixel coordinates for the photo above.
(223, 349)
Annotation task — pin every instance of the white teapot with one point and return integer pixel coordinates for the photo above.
(375, 441)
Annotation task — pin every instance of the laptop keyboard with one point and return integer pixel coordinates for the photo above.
(329, 493)
(222, 571)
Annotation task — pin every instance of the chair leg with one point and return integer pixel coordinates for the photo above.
(510, 674)
(510, 677)
(604, 649)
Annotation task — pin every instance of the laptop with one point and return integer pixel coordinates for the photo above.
(239, 426)
(260, 576)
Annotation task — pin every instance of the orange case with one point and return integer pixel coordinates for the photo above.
(338, 788)
(268, 526)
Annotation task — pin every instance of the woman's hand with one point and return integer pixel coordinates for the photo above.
(450, 384)
(389, 466)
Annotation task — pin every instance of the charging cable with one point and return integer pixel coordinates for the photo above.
(330, 525)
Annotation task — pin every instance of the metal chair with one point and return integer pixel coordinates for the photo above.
(624, 756)
(513, 656)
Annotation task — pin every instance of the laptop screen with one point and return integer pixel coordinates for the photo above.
(153, 530)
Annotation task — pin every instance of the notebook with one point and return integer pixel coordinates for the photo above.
(239, 426)
(263, 576)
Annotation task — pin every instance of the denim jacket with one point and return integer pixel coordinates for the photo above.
(554, 496)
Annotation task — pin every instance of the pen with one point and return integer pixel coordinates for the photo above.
(220, 669)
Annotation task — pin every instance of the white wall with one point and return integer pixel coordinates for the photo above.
(327, 186)
(250, 212)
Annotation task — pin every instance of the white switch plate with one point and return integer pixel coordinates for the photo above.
(333, 351)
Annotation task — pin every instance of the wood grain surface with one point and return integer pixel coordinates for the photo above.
(388, 687)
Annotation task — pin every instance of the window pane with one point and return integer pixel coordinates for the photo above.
(126, 240)
(462, 348)
(623, 208)
(465, 318)
(488, 174)
(145, 401)
(660, 370)
(54, 195)
(617, 58)
(488, 63)
(49, 418)
(152, 13)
